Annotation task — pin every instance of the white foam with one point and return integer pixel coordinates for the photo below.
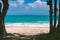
(27, 24)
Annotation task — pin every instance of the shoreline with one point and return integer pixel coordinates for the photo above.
(27, 24)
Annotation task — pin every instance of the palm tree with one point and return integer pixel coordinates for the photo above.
(2, 16)
(58, 26)
(55, 13)
(49, 2)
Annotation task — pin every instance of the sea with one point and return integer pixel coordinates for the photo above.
(27, 19)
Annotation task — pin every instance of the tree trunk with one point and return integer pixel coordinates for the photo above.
(51, 27)
(51, 11)
(58, 26)
(1, 29)
(2, 16)
(55, 13)
(0, 8)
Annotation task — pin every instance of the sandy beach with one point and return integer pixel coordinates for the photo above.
(27, 31)
(31, 29)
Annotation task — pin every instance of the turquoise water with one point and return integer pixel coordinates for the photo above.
(26, 19)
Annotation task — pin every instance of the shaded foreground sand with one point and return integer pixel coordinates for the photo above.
(27, 30)
(29, 33)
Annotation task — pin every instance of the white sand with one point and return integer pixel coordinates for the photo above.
(27, 29)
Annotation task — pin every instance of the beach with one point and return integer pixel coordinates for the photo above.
(27, 24)
(27, 28)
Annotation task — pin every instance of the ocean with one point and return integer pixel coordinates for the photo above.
(27, 19)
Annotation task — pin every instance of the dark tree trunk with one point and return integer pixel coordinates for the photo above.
(55, 13)
(51, 26)
(58, 26)
(2, 16)
(1, 29)
(49, 2)
(0, 8)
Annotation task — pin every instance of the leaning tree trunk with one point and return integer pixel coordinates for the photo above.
(1, 29)
(58, 26)
(51, 11)
(2, 16)
(55, 13)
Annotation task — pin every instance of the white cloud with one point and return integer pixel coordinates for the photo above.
(38, 4)
(12, 4)
(20, 1)
(30, 5)
(16, 3)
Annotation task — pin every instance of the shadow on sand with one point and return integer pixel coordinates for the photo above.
(16, 36)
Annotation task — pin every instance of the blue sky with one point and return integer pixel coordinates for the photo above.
(28, 7)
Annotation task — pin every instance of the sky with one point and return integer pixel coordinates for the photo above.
(28, 7)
